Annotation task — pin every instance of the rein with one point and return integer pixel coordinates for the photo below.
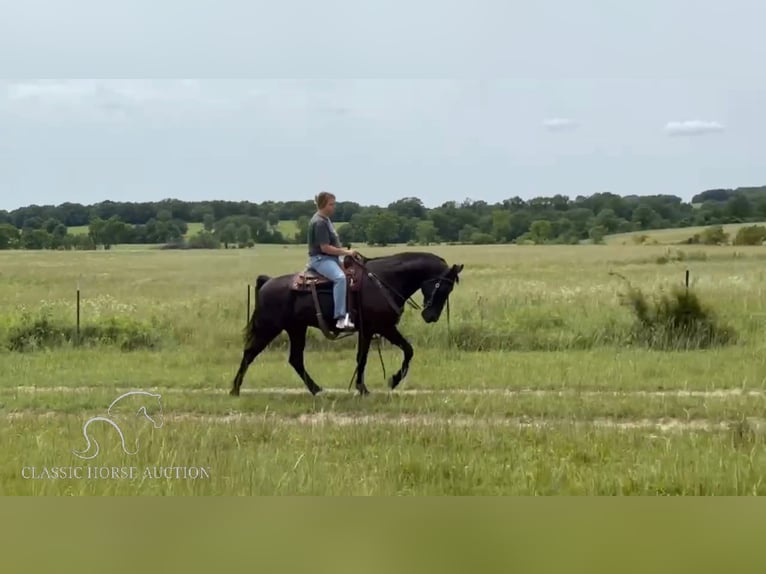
(383, 285)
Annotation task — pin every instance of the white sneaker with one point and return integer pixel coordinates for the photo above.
(344, 324)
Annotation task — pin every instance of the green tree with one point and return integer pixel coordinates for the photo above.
(409, 207)
(502, 227)
(383, 228)
(301, 235)
(108, 233)
(228, 234)
(244, 236)
(34, 222)
(597, 234)
(36, 239)
(347, 234)
(208, 222)
(96, 230)
(607, 219)
(645, 216)
(564, 231)
(164, 215)
(426, 232)
(467, 233)
(59, 236)
(540, 231)
(9, 236)
(740, 207)
(115, 231)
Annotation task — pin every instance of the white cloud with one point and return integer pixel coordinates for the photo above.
(692, 128)
(560, 124)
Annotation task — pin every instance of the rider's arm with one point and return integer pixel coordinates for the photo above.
(332, 250)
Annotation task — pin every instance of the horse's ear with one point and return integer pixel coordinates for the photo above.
(456, 269)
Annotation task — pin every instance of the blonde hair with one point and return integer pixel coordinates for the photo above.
(322, 198)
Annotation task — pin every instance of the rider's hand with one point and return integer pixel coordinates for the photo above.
(353, 253)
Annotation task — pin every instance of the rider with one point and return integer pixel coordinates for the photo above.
(324, 253)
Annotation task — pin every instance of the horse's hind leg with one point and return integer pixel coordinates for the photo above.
(259, 342)
(396, 338)
(297, 346)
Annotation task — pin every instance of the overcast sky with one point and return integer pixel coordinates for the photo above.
(547, 97)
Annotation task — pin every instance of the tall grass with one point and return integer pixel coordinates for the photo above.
(510, 299)
(29, 333)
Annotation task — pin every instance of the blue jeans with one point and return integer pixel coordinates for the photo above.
(329, 266)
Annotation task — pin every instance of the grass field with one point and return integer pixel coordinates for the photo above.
(536, 392)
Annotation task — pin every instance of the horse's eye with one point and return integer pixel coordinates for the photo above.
(436, 287)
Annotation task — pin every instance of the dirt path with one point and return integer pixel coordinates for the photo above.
(664, 425)
(713, 393)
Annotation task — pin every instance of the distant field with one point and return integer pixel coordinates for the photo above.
(671, 236)
(194, 228)
(288, 228)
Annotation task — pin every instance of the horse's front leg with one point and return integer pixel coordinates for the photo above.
(297, 346)
(363, 349)
(396, 338)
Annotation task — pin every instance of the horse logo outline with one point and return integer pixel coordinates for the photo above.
(107, 419)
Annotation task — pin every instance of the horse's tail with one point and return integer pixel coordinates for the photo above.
(259, 282)
(252, 324)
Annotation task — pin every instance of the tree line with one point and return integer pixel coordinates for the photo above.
(557, 219)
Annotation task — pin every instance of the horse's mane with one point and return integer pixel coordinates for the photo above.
(401, 261)
(407, 256)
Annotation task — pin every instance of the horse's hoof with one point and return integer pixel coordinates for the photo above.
(234, 392)
(316, 391)
(363, 391)
(392, 383)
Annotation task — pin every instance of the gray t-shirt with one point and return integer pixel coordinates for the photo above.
(321, 231)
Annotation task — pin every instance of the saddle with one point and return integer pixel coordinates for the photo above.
(308, 278)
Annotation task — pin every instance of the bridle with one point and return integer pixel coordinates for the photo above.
(385, 288)
(430, 301)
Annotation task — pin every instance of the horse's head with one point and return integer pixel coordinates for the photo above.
(152, 410)
(436, 291)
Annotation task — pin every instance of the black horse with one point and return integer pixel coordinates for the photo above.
(386, 284)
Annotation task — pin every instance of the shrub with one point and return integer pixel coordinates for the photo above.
(479, 238)
(640, 239)
(674, 321)
(751, 235)
(204, 240)
(678, 255)
(44, 332)
(711, 236)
